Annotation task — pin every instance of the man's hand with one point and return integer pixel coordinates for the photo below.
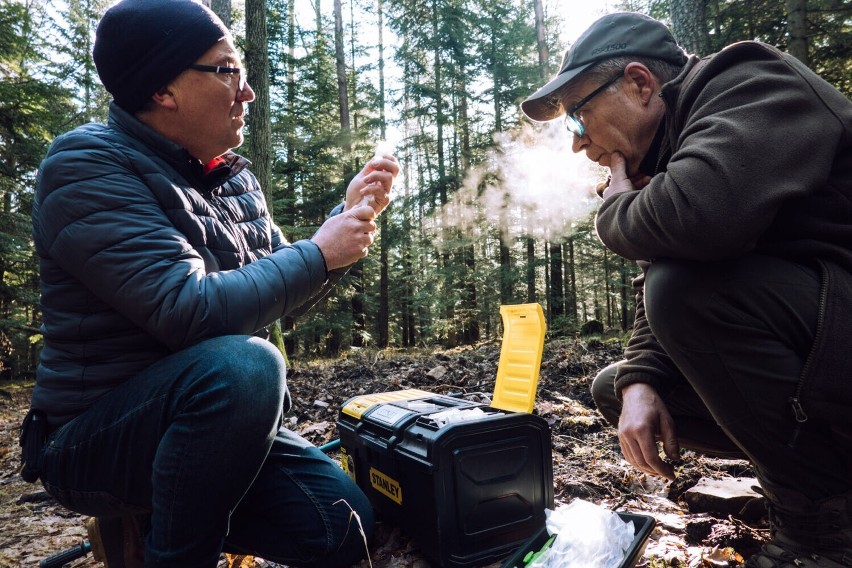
(619, 181)
(644, 417)
(345, 238)
(372, 185)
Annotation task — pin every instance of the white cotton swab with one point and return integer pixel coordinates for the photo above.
(383, 147)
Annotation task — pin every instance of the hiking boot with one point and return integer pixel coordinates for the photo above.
(806, 533)
(116, 541)
(772, 556)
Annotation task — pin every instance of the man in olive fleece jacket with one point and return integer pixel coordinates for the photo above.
(731, 185)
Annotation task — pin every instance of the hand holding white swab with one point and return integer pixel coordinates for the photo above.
(383, 147)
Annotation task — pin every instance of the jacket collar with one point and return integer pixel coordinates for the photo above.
(671, 126)
(177, 156)
(671, 90)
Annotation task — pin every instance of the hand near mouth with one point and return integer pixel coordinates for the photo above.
(619, 181)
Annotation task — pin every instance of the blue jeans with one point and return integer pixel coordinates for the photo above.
(195, 441)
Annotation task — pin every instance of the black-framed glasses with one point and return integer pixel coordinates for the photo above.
(241, 76)
(573, 123)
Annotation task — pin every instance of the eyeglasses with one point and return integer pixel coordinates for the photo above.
(573, 123)
(231, 71)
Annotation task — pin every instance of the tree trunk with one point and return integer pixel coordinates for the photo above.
(506, 291)
(541, 41)
(356, 274)
(556, 299)
(543, 73)
(257, 64)
(88, 80)
(333, 338)
(689, 25)
(530, 270)
(289, 324)
(449, 284)
(82, 19)
(469, 299)
(505, 260)
(260, 141)
(289, 213)
(222, 8)
(570, 280)
(409, 310)
(342, 90)
(383, 324)
(717, 25)
(547, 296)
(797, 29)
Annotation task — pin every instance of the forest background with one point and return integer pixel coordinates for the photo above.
(490, 209)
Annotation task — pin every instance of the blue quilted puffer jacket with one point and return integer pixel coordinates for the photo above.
(145, 252)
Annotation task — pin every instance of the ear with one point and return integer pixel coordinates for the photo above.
(165, 98)
(643, 82)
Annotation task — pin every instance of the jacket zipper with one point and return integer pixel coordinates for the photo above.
(796, 400)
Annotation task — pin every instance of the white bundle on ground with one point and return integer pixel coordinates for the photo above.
(588, 535)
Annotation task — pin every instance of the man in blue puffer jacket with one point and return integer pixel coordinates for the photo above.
(160, 270)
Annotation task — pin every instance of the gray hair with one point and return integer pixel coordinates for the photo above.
(608, 68)
(662, 70)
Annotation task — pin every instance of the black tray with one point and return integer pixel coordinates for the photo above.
(642, 526)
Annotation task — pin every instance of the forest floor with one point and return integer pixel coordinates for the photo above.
(587, 463)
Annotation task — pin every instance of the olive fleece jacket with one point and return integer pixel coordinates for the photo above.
(760, 162)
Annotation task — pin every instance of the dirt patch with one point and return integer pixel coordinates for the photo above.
(587, 462)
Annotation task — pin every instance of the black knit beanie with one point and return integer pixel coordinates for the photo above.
(141, 45)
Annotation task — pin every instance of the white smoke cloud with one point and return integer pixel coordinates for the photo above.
(531, 184)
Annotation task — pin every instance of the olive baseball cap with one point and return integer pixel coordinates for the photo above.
(613, 35)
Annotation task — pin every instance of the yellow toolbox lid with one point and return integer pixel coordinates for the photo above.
(520, 357)
(358, 405)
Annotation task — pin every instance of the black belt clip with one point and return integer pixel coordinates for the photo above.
(33, 437)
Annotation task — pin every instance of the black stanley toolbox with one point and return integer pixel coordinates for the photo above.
(468, 492)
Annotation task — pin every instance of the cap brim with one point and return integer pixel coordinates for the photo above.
(543, 105)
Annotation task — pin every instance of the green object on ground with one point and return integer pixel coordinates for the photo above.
(532, 556)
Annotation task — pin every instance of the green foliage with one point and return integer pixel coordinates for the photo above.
(72, 58)
(34, 108)
(829, 30)
(830, 38)
(456, 71)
